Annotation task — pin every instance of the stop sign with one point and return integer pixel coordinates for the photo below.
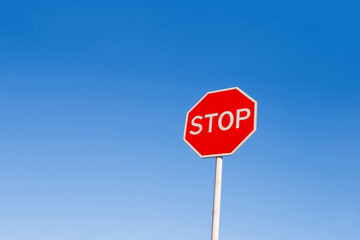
(220, 122)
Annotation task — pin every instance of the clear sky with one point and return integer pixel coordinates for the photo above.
(93, 99)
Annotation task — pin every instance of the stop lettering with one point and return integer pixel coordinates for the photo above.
(220, 122)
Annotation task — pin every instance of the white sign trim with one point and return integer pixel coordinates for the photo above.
(223, 154)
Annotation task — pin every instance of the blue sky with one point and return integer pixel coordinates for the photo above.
(93, 98)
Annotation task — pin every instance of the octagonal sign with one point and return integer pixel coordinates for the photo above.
(220, 122)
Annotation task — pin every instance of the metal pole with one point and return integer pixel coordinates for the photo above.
(217, 197)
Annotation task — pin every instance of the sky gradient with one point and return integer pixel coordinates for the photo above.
(93, 100)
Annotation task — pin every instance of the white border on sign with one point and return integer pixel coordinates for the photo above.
(224, 154)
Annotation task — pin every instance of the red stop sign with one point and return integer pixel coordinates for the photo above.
(220, 122)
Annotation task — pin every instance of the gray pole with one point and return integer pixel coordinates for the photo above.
(217, 197)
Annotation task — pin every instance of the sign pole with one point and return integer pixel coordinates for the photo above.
(217, 197)
(210, 135)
